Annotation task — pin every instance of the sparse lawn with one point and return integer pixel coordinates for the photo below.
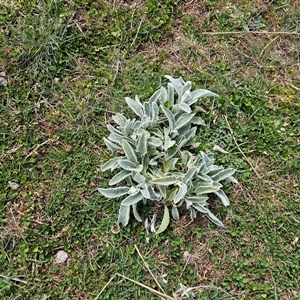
(65, 68)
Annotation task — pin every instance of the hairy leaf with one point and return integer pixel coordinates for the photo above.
(132, 199)
(197, 121)
(175, 213)
(200, 208)
(186, 88)
(129, 152)
(190, 134)
(193, 213)
(223, 174)
(153, 194)
(165, 221)
(168, 143)
(119, 177)
(171, 93)
(110, 164)
(165, 181)
(205, 178)
(147, 109)
(139, 178)
(134, 106)
(208, 189)
(145, 192)
(169, 165)
(155, 111)
(223, 197)
(189, 174)
(113, 192)
(232, 179)
(163, 95)
(213, 169)
(162, 190)
(128, 128)
(119, 119)
(169, 116)
(124, 213)
(177, 83)
(184, 107)
(171, 152)
(183, 120)
(195, 95)
(111, 146)
(127, 164)
(181, 193)
(155, 97)
(214, 219)
(198, 200)
(117, 138)
(113, 129)
(135, 213)
(206, 159)
(153, 141)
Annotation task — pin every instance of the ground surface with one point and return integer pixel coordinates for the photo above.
(66, 67)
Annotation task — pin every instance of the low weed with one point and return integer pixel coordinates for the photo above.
(66, 68)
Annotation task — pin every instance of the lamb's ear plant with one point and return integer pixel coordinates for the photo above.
(152, 153)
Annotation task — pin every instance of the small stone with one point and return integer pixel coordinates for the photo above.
(61, 256)
(195, 145)
(3, 81)
(295, 241)
(13, 185)
(186, 256)
(218, 148)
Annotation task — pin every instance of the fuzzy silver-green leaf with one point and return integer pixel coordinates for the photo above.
(112, 146)
(175, 213)
(169, 116)
(124, 214)
(165, 181)
(181, 193)
(110, 164)
(134, 106)
(223, 197)
(132, 199)
(129, 152)
(202, 189)
(113, 192)
(165, 221)
(223, 174)
(119, 177)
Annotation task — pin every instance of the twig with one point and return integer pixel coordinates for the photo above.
(138, 30)
(110, 280)
(268, 44)
(13, 279)
(147, 267)
(275, 287)
(292, 86)
(281, 189)
(251, 32)
(79, 28)
(38, 146)
(237, 145)
(147, 287)
(11, 151)
(138, 283)
(161, 294)
(201, 287)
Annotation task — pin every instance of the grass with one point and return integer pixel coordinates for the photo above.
(68, 66)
